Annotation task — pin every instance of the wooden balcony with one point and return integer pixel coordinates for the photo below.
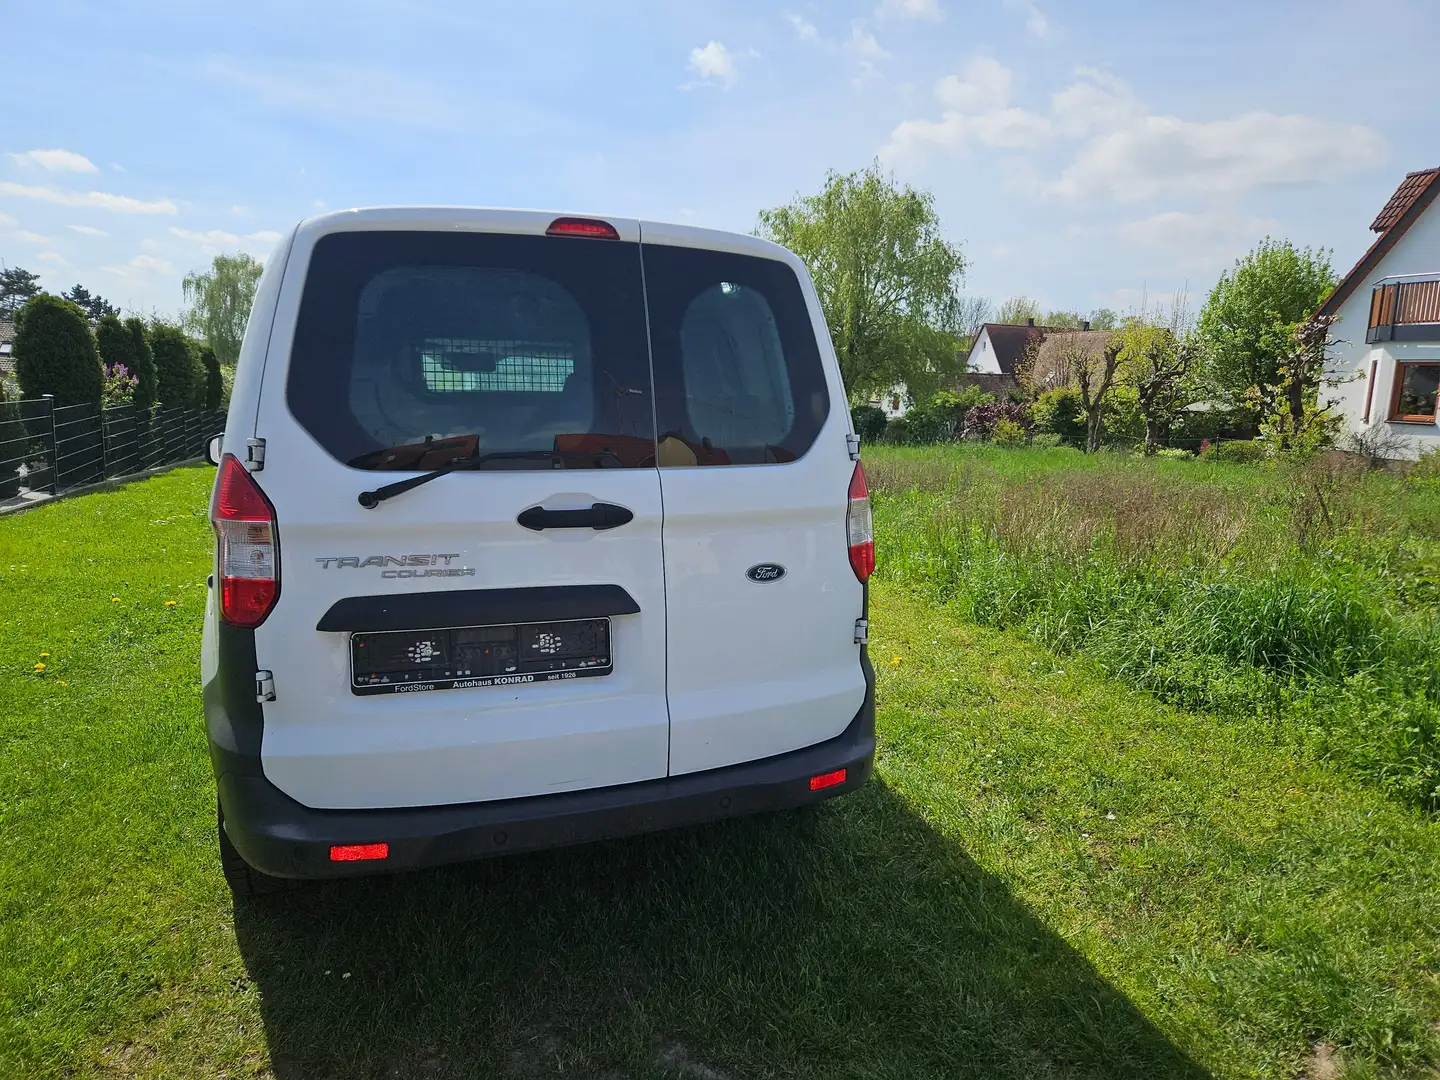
(1405, 311)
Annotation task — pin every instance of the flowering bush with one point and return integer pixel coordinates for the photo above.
(119, 386)
(980, 421)
(1008, 432)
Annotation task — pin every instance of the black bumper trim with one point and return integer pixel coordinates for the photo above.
(475, 607)
(283, 838)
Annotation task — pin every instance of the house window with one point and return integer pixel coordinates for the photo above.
(1416, 388)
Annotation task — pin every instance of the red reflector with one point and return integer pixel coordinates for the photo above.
(578, 226)
(829, 779)
(361, 852)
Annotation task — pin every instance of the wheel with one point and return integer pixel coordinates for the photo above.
(244, 880)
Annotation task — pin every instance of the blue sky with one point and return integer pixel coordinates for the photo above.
(1083, 153)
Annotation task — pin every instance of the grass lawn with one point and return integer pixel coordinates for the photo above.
(1052, 876)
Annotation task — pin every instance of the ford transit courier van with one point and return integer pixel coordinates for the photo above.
(530, 530)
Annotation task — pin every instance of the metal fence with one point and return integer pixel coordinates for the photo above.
(47, 448)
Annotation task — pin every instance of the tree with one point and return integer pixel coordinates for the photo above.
(1294, 422)
(1160, 363)
(220, 302)
(55, 354)
(16, 287)
(886, 278)
(972, 313)
(1249, 318)
(1104, 319)
(142, 366)
(174, 366)
(213, 387)
(1086, 360)
(95, 307)
(1018, 309)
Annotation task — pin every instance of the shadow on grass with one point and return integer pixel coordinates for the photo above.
(845, 940)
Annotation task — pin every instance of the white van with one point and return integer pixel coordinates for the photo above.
(530, 530)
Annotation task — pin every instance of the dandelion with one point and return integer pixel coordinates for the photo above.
(39, 667)
(895, 661)
(114, 599)
(44, 656)
(169, 603)
(62, 682)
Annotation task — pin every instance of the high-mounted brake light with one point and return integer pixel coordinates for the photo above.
(579, 226)
(860, 527)
(249, 555)
(358, 852)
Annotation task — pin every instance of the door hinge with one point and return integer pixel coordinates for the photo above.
(862, 631)
(264, 686)
(254, 454)
(852, 444)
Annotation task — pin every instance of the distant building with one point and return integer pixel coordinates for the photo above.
(996, 352)
(1388, 311)
(7, 345)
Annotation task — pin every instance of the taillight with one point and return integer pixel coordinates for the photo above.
(249, 555)
(859, 527)
(576, 226)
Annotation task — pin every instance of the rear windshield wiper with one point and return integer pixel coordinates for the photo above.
(372, 499)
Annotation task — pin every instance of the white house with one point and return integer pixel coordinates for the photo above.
(1388, 310)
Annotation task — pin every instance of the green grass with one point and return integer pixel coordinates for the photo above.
(1052, 876)
(1302, 600)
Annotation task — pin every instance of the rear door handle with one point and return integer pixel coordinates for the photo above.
(599, 516)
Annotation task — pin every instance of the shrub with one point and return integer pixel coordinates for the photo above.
(869, 423)
(1424, 475)
(1234, 452)
(214, 386)
(119, 388)
(897, 431)
(55, 352)
(1058, 412)
(227, 384)
(174, 366)
(142, 366)
(980, 421)
(1046, 440)
(1124, 423)
(1173, 453)
(1008, 432)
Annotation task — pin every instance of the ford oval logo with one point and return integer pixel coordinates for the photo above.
(765, 571)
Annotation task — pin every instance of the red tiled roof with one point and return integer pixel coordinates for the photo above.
(1415, 193)
(1408, 191)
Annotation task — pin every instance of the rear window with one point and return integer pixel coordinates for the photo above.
(738, 375)
(414, 348)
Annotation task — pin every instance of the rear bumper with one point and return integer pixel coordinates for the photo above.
(283, 838)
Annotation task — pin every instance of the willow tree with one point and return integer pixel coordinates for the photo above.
(888, 280)
(220, 300)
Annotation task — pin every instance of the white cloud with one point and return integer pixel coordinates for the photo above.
(1196, 241)
(89, 230)
(1126, 154)
(911, 9)
(53, 257)
(1036, 24)
(864, 44)
(32, 237)
(714, 64)
(975, 109)
(141, 266)
(101, 200)
(265, 236)
(804, 29)
(209, 238)
(1164, 155)
(7, 222)
(56, 160)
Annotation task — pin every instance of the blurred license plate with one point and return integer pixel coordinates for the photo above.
(458, 658)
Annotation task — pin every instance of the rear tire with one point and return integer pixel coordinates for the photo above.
(244, 880)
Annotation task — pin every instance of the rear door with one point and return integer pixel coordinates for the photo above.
(403, 341)
(755, 473)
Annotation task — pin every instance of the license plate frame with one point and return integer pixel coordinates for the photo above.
(469, 657)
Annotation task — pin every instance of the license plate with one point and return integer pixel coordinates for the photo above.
(458, 658)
